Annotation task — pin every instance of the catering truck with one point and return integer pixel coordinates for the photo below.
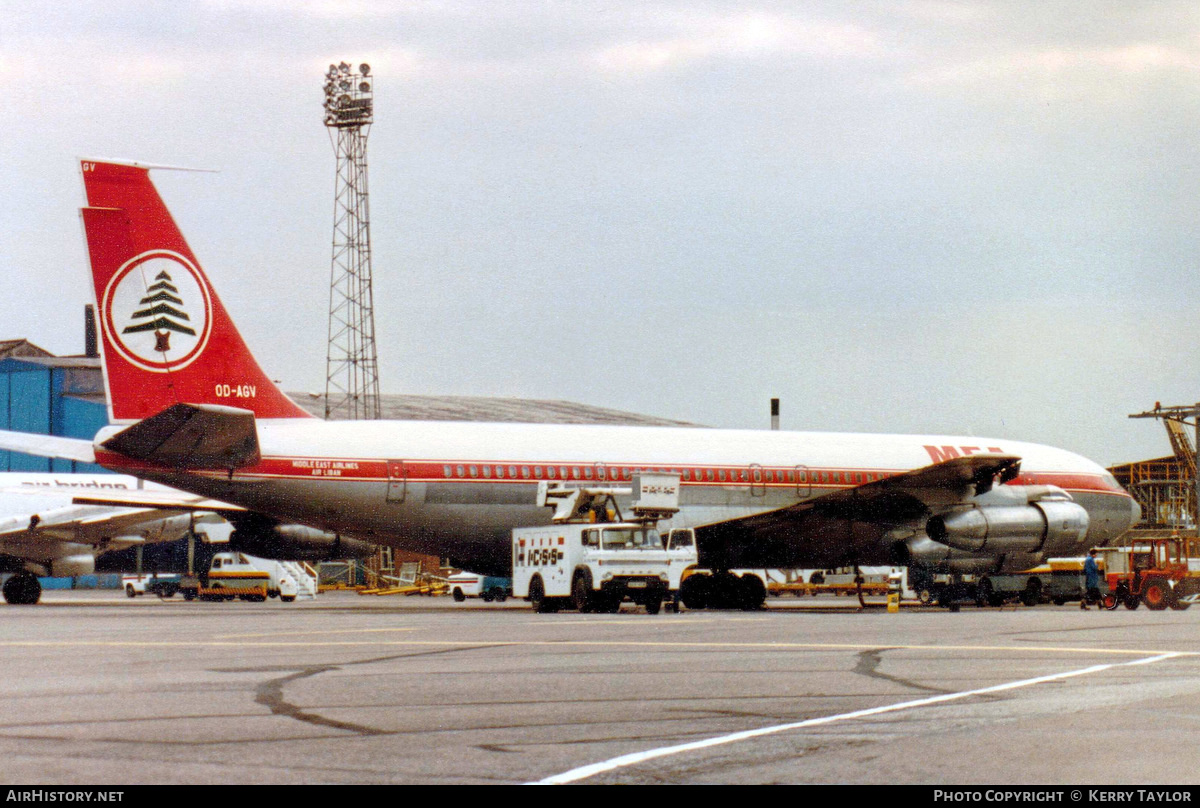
(592, 559)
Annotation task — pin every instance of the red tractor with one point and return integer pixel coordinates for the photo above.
(1151, 571)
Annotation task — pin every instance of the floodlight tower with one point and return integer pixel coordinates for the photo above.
(352, 367)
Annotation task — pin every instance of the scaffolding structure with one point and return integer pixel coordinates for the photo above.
(352, 365)
(1166, 487)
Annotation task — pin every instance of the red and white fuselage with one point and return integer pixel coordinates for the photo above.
(175, 365)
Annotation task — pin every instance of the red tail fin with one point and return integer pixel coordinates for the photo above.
(166, 337)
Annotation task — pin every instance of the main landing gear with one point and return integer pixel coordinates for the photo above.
(22, 589)
(723, 590)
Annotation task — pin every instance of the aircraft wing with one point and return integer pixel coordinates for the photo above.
(82, 524)
(158, 498)
(47, 446)
(849, 524)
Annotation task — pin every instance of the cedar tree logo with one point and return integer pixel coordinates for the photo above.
(156, 311)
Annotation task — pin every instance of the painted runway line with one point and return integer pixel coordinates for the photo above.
(584, 772)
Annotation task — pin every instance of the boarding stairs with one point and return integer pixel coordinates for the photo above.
(304, 576)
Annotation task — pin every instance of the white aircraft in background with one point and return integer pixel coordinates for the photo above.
(194, 410)
(43, 532)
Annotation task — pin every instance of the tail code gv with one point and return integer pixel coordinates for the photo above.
(166, 337)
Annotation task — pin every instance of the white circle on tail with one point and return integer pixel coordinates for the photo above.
(156, 311)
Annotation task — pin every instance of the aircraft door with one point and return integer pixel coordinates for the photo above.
(758, 485)
(397, 481)
(803, 482)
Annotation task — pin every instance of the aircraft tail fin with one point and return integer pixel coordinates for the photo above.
(166, 337)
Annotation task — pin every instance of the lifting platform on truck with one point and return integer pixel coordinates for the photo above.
(591, 559)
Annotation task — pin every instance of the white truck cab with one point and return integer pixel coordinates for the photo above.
(592, 560)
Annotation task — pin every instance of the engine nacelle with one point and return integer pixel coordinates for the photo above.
(926, 553)
(297, 543)
(1048, 523)
(65, 567)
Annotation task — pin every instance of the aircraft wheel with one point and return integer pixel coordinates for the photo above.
(22, 589)
(725, 591)
(694, 591)
(752, 591)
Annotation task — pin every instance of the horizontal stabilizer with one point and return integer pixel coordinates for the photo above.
(191, 436)
(48, 446)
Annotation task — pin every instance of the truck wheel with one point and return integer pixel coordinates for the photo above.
(458, 595)
(653, 606)
(1110, 601)
(130, 592)
(486, 596)
(499, 595)
(189, 594)
(537, 597)
(1179, 605)
(582, 597)
(1031, 595)
(1157, 594)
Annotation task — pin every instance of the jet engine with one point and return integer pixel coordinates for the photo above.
(296, 543)
(81, 564)
(1015, 519)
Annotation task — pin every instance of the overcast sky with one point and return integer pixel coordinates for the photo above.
(963, 217)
